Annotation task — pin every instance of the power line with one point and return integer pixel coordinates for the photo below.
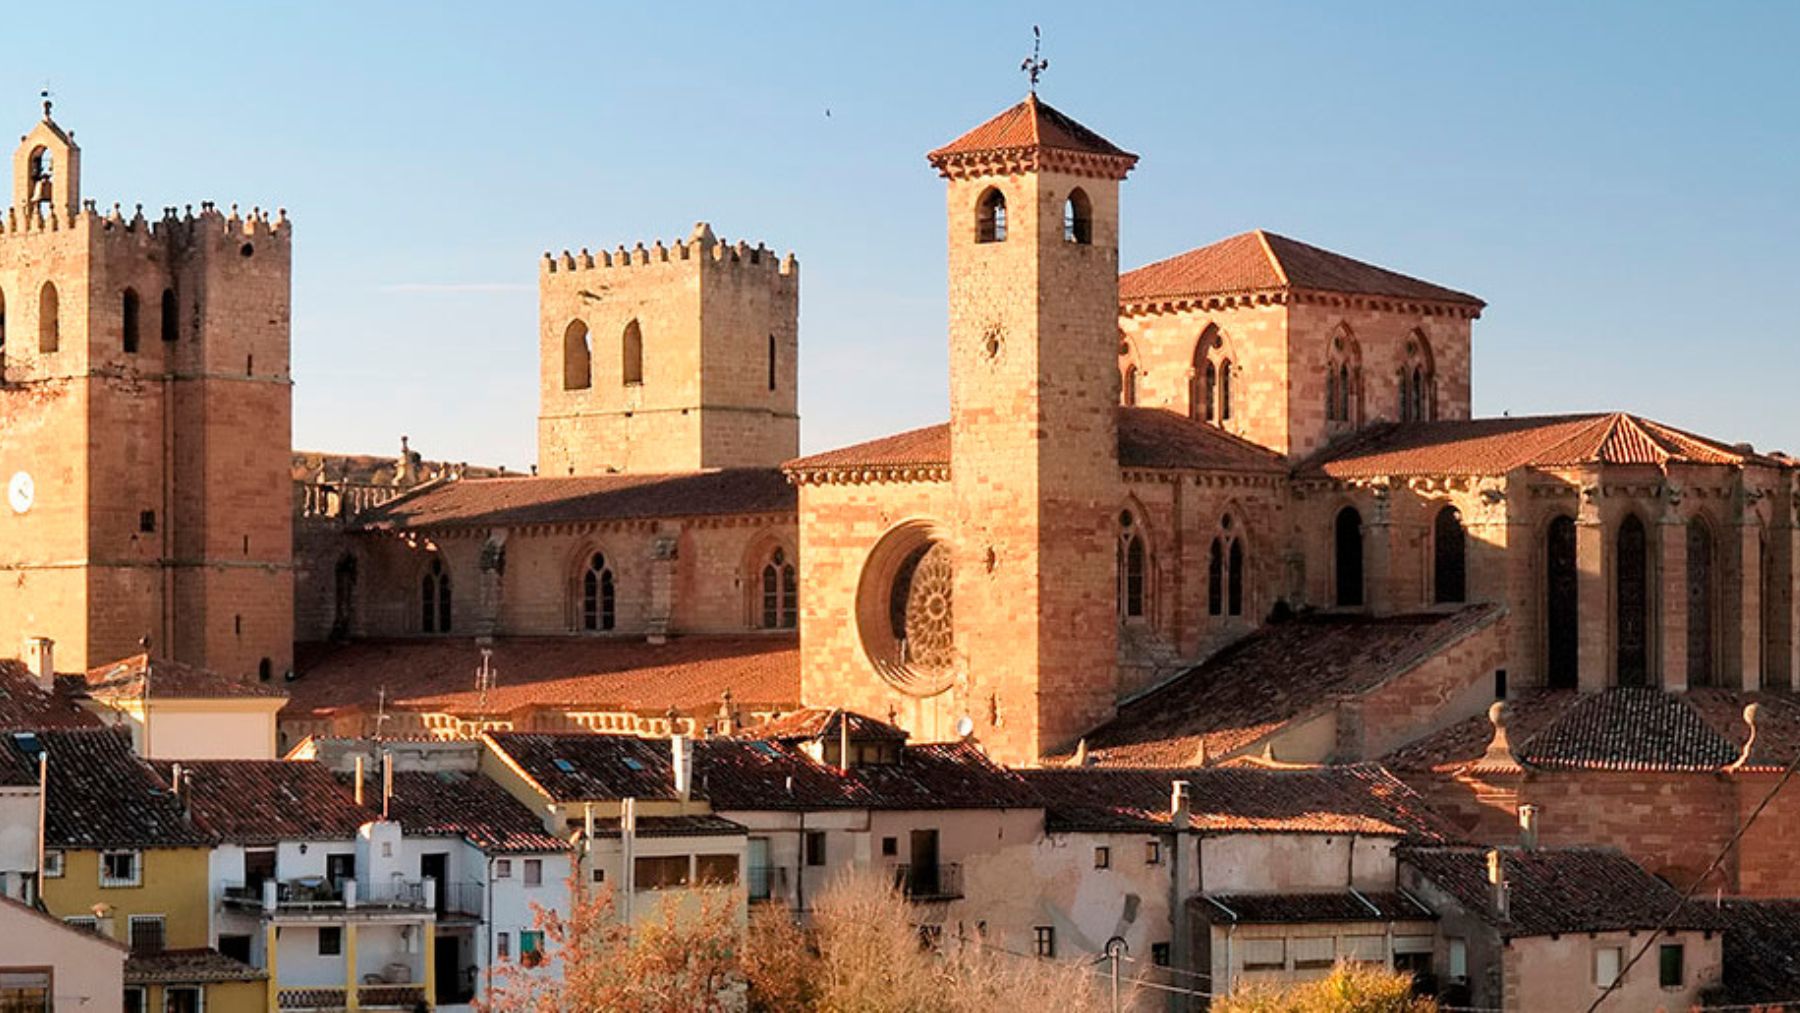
(1688, 894)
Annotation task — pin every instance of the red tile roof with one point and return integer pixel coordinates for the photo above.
(182, 967)
(101, 795)
(1278, 674)
(1496, 446)
(1029, 126)
(140, 675)
(1261, 261)
(453, 803)
(1153, 438)
(255, 802)
(1357, 798)
(1761, 951)
(1557, 891)
(23, 705)
(1294, 908)
(825, 723)
(686, 673)
(484, 502)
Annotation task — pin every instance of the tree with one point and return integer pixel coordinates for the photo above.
(1350, 988)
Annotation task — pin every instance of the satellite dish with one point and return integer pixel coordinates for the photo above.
(965, 726)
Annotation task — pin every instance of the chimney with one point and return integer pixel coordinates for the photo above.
(1497, 881)
(587, 819)
(40, 658)
(359, 779)
(843, 740)
(683, 749)
(1528, 827)
(1179, 809)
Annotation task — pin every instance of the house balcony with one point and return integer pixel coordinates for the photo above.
(318, 896)
(928, 883)
(333, 1000)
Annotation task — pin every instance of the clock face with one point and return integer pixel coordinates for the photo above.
(20, 492)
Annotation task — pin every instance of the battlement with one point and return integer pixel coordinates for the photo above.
(700, 247)
(175, 225)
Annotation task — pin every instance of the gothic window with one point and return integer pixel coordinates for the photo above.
(1418, 381)
(1225, 391)
(171, 323)
(1632, 573)
(1331, 395)
(48, 330)
(1343, 378)
(771, 362)
(1078, 218)
(1347, 541)
(1131, 380)
(598, 604)
(1225, 571)
(1134, 568)
(780, 593)
(1215, 578)
(1562, 630)
(578, 357)
(632, 355)
(1449, 550)
(1234, 578)
(1699, 603)
(1210, 391)
(434, 598)
(1343, 411)
(128, 313)
(990, 217)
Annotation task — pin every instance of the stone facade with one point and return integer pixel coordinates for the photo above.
(146, 405)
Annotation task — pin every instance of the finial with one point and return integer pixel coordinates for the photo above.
(1032, 65)
(45, 95)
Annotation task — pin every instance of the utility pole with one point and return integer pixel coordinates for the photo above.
(1115, 951)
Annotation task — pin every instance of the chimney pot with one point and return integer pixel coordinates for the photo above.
(40, 658)
(683, 749)
(1497, 880)
(1179, 805)
(1528, 826)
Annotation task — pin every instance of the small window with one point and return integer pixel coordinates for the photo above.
(815, 847)
(121, 868)
(265, 670)
(147, 934)
(716, 870)
(147, 522)
(1670, 960)
(86, 923)
(534, 872)
(137, 999)
(1314, 952)
(331, 941)
(531, 947)
(599, 876)
(128, 322)
(53, 864)
(49, 326)
(237, 947)
(890, 846)
(599, 595)
(1365, 949)
(1103, 857)
(1607, 961)
(1078, 218)
(578, 357)
(503, 945)
(632, 355)
(503, 868)
(1044, 938)
(27, 991)
(990, 217)
(182, 999)
(661, 872)
(1159, 954)
(171, 321)
(1153, 853)
(1265, 954)
(771, 362)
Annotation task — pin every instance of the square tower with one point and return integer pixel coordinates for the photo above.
(668, 359)
(145, 406)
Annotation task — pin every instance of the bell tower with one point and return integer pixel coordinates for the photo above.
(1033, 209)
(46, 171)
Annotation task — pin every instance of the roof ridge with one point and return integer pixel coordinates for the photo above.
(1262, 238)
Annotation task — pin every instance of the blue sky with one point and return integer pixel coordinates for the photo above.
(1621, 181)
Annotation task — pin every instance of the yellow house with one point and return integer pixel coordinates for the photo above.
(180, 712)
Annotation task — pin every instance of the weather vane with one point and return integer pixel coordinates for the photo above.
(45, 95)
(1033, 66)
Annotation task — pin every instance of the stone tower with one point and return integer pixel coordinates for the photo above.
(145, 406)
(1033, 205)
(668, 359)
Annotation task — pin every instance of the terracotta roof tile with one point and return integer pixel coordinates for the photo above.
(1761, 951)
(1261, 261)
(102, 795)
(1495, 446)
(823, 723)
(1275, 675)
(1030, 124)
(579, 767)
(134, 677)
(256, 802)
(1464, 743)
(1557, 891)
(687, 673)
(24, 705)
(1358, 798)
(453, 803)
(1153, 438)
(483, 502)
(191, 966)
(1294, 908)
(693, 825)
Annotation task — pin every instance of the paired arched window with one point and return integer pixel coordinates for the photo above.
(990, 217)
(1562, 616)
(1209, 389)
(1449, 552)
(434, 598)
(1134, 569)
(780, 593)
(599, 605)
(631, 354)
(1078, 218)
(1225, 571)
(1343, 378)
(1347, 554)
(1632, 573)
(171, 320)
(578, 357)
(1700, 604)
(1418, 381)
(128, 321)
(49, 331)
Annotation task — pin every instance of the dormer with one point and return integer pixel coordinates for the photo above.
(47, 172)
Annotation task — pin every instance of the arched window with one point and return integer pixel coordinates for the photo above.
(434, 598)
(42, 171)
(771, 362)
(598, 604)
(1209, 391)
(1630, 565)
(1225, 571)
(990, 217)
(1130, 387)
(1225, 391)
(1562, 625)
(48, 328)
(780, 593)
(1134, 568)
(1078, 218)
(578, 357)
(171, 321)
(1331, 395)
(1347, 542)
(128, 315)
(1449, 551)
(1343, 378)
(1418, 381)
(1215, 578)
(1234, 578)
(1699, 603)
(1343, 387)
(632, 355)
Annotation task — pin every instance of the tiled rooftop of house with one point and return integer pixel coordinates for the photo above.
(25, 705)
(188, 966)
(485, 502)
(1150, 438)
(1358, 798)
(1761, 951)
(256, 802)
(1291, 908)
(452, 803)
(823, 722)
(587, 673)
(140, 675)
(1496, 446)
(1557, 891)
(1029, 124)
(1261, 261)
(102, 795)
(1280, 673)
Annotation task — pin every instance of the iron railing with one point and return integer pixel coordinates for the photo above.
(942, 881)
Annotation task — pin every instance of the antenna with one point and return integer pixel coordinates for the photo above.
(1033, 66)
(381, 714)
(484, 676)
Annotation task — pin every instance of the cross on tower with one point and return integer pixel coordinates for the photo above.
(45, 95)
(1032, 65)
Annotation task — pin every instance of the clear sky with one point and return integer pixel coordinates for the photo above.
(1620, 181)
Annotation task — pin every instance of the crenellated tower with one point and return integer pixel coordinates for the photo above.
(145, 425)
(1033, 207)
(668, 358)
